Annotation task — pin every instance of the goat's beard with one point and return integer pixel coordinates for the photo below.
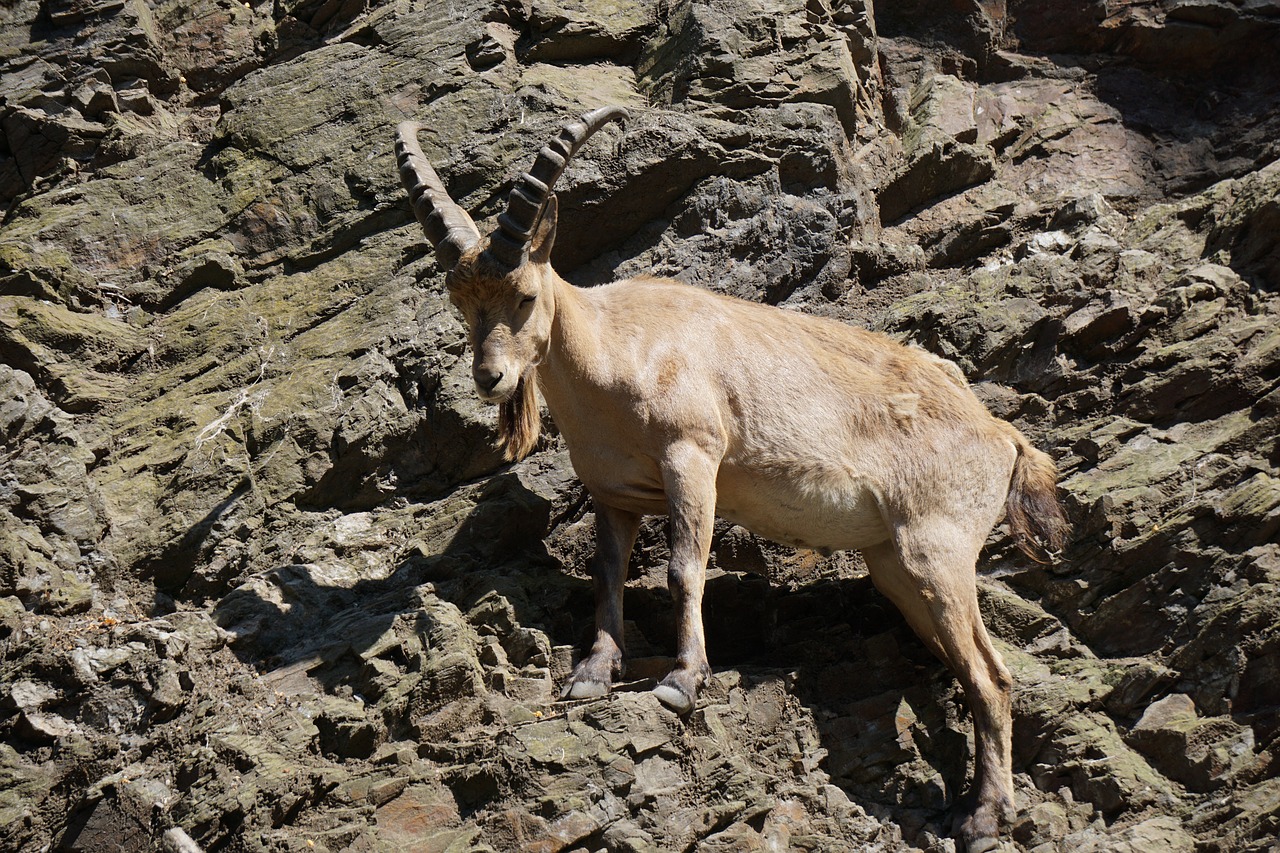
(519, 421)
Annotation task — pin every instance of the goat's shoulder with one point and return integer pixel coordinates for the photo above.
(662, 300)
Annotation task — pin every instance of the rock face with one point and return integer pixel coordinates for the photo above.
(265, 584)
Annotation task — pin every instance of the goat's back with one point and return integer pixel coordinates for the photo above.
(818, 424)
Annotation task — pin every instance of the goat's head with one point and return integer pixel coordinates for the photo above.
(502, 283)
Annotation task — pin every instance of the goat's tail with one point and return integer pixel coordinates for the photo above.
(1035, 514)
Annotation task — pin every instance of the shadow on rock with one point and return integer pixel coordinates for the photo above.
(889, 717)
(422, 647)
(477, 624)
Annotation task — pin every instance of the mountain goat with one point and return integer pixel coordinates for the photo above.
(680, 402)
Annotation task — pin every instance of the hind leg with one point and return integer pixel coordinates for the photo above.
(928, 573)
(615, 535)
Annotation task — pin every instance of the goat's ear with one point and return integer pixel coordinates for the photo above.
(545, 235)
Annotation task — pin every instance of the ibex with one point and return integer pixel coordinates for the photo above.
(680, 402)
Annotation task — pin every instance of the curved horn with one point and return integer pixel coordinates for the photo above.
(508, 245)
(447, 226)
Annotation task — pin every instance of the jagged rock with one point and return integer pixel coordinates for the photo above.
(94, 99)
(1239, 231)
(103, 825)
(136, 99)
(53, 518)
(263, 575)
(735, 56)
(1203, 754)
(937, 167)
(579, 31)
(42, 142)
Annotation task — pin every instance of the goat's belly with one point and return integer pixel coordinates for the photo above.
(823, 516)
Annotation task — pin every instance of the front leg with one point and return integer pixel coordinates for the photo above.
(615, 535)
(689, 476)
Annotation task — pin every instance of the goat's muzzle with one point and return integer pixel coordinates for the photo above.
(495, 382)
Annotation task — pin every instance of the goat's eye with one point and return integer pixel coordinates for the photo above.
(527, 301)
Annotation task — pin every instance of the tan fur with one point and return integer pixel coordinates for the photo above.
(680, 402)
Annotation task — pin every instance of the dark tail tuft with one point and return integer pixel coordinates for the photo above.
(1035, 515)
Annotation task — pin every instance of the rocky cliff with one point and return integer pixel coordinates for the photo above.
(265, 584)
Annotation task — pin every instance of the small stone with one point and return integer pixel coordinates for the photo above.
(383, 792)
(82, 667)
(29, 696)
(44, 727)
(486, 52)
(491, 652)
(168, 693)
(95, 99)
(1084, 210)
(1042, 822)
(1054, 242)
(137, 100)
(565, 831)
(626, 836)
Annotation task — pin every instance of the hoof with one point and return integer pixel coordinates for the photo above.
(981, 845)
(980, 830)
(584, 690)
(673, 698)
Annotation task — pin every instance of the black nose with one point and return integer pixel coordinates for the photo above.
(487, 379)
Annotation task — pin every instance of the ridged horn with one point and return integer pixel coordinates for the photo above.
(447, 226)
(509, 244)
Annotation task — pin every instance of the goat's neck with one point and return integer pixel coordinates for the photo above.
(573, 352)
